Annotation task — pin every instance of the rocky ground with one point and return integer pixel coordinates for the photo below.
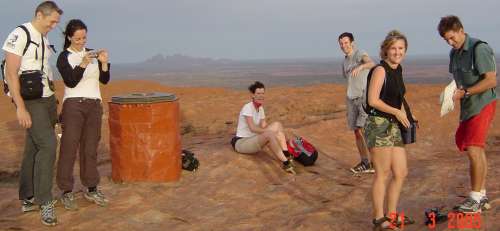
(251, 192)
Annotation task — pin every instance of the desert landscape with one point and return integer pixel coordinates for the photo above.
(251, 192)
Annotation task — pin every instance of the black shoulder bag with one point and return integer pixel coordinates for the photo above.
(31, 81)
(409, 135)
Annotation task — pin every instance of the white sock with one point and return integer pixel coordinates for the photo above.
(476, 196)
(483, 191)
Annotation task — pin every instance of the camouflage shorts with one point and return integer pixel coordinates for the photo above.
(380, 132)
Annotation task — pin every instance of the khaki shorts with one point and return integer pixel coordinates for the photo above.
(356, 115)
(248, 145)
(380, 132)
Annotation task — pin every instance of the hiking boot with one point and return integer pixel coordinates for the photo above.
(485, 203)
(96, 197)
(28, 205)
(289, 167)
(48, 213)
(469, 205)
(69, 201)
(362, 168)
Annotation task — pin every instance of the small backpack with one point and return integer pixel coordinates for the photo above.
(28, 41)
(189, 162)
(302, 151)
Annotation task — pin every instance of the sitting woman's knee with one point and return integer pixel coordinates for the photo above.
(269, 134)
(276, 126)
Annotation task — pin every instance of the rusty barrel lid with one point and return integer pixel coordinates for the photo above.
(143, 97)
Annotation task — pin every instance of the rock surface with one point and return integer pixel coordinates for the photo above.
(251, 192)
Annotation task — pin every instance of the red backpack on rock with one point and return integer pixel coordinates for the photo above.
(302, 151)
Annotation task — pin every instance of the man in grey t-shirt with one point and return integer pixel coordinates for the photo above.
(355, 69)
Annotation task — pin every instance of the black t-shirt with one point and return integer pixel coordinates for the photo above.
(392, 91)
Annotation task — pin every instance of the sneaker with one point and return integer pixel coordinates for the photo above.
(48, 213)
(69, 201)
(362, 168)
(469, 205)
(485, 203)
(289, 168)
(28, 205)
(96, 197)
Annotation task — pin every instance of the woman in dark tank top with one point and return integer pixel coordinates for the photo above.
(385, 93)
(392, 91)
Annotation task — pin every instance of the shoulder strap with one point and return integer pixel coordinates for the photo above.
(369, 109)
(477, 43)
(474, 52)
(474, 57)
(406, 106)
(28, 41)
(28, 38)
(43, 51)
(383, 90)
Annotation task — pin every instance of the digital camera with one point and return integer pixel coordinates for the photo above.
(93, 54)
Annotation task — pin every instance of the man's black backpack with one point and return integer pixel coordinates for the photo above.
(189, 162)
(28, 41)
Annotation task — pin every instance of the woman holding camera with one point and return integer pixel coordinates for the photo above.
(82, 70)
(386, 117)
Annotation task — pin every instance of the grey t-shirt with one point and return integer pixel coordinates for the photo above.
(355, 85)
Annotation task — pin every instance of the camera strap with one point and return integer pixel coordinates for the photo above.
(43, 51)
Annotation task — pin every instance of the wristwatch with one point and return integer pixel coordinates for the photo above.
(467, 93)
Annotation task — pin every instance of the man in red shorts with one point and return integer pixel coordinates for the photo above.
(473, 66)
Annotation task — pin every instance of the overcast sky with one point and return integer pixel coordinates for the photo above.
(252, 29)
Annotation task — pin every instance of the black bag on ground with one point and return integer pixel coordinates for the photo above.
(189, 162)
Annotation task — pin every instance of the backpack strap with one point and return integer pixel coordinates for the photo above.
(368, 109)
(301, 147)
(474, 53)
(28, 41)
(28, 38)
(474, 57)
(43, 50)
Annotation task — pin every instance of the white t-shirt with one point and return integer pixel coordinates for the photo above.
(89, 84)
(32, 59)
(249, 110)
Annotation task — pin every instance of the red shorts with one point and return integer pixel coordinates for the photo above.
(472, 132)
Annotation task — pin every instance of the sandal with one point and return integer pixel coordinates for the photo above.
(379, 227)
(407, 220)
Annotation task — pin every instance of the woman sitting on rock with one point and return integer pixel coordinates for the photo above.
(253, 133)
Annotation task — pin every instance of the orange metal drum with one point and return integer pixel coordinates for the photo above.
(145, 138)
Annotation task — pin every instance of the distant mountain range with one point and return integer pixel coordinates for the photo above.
(183, 70)
(184, 63)
(181, 62)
